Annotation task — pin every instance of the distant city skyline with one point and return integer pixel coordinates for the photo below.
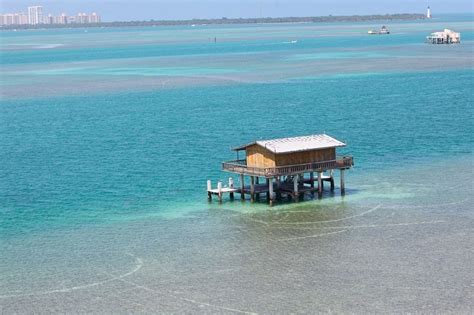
(35, 15)
(124, 10)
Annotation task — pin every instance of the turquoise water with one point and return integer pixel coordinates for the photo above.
(108, 137)
(116, 154)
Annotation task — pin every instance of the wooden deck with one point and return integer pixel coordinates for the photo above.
(240, 167)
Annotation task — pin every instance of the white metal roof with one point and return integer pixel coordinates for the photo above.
(296, 144)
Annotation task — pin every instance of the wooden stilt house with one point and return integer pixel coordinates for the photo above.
(288, 166)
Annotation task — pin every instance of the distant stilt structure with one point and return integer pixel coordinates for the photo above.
(445, 37)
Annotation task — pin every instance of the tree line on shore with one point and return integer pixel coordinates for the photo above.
(224, 20)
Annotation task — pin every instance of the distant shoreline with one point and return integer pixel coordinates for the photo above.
(228, 21)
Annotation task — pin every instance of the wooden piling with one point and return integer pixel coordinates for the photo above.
(219, 190)
(252, 188)
(242, 187)
(331, 173)
(257, 194)
(209, 187)
(267, 180)
(295, 187)
(278, 185)
(231, 185)
(343, 188)
(270, 191)
(320, 185)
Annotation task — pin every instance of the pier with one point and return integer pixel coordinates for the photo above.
(284, 168)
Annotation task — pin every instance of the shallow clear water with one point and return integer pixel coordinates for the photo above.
(108, 138)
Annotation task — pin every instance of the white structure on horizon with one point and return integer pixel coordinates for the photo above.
(444, 37)
(35, 15)
(428, 13)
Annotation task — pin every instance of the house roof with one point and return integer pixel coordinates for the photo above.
(296, 144)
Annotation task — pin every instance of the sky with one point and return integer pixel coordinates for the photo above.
(126, 10)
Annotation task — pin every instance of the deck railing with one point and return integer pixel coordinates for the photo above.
(240, 166)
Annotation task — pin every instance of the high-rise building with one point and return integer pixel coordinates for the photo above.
(60, 19)
(16, 19)
(49, 19)
(9, 19)
(94, 18)
(13, 19)
(23, 18)
(35, 15)
(82, 18)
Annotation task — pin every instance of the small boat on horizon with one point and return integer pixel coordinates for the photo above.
(383, 31)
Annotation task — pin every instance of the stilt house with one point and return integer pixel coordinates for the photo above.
(285, 162)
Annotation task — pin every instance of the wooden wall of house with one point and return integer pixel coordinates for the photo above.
(258, 156)
(305, 157)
